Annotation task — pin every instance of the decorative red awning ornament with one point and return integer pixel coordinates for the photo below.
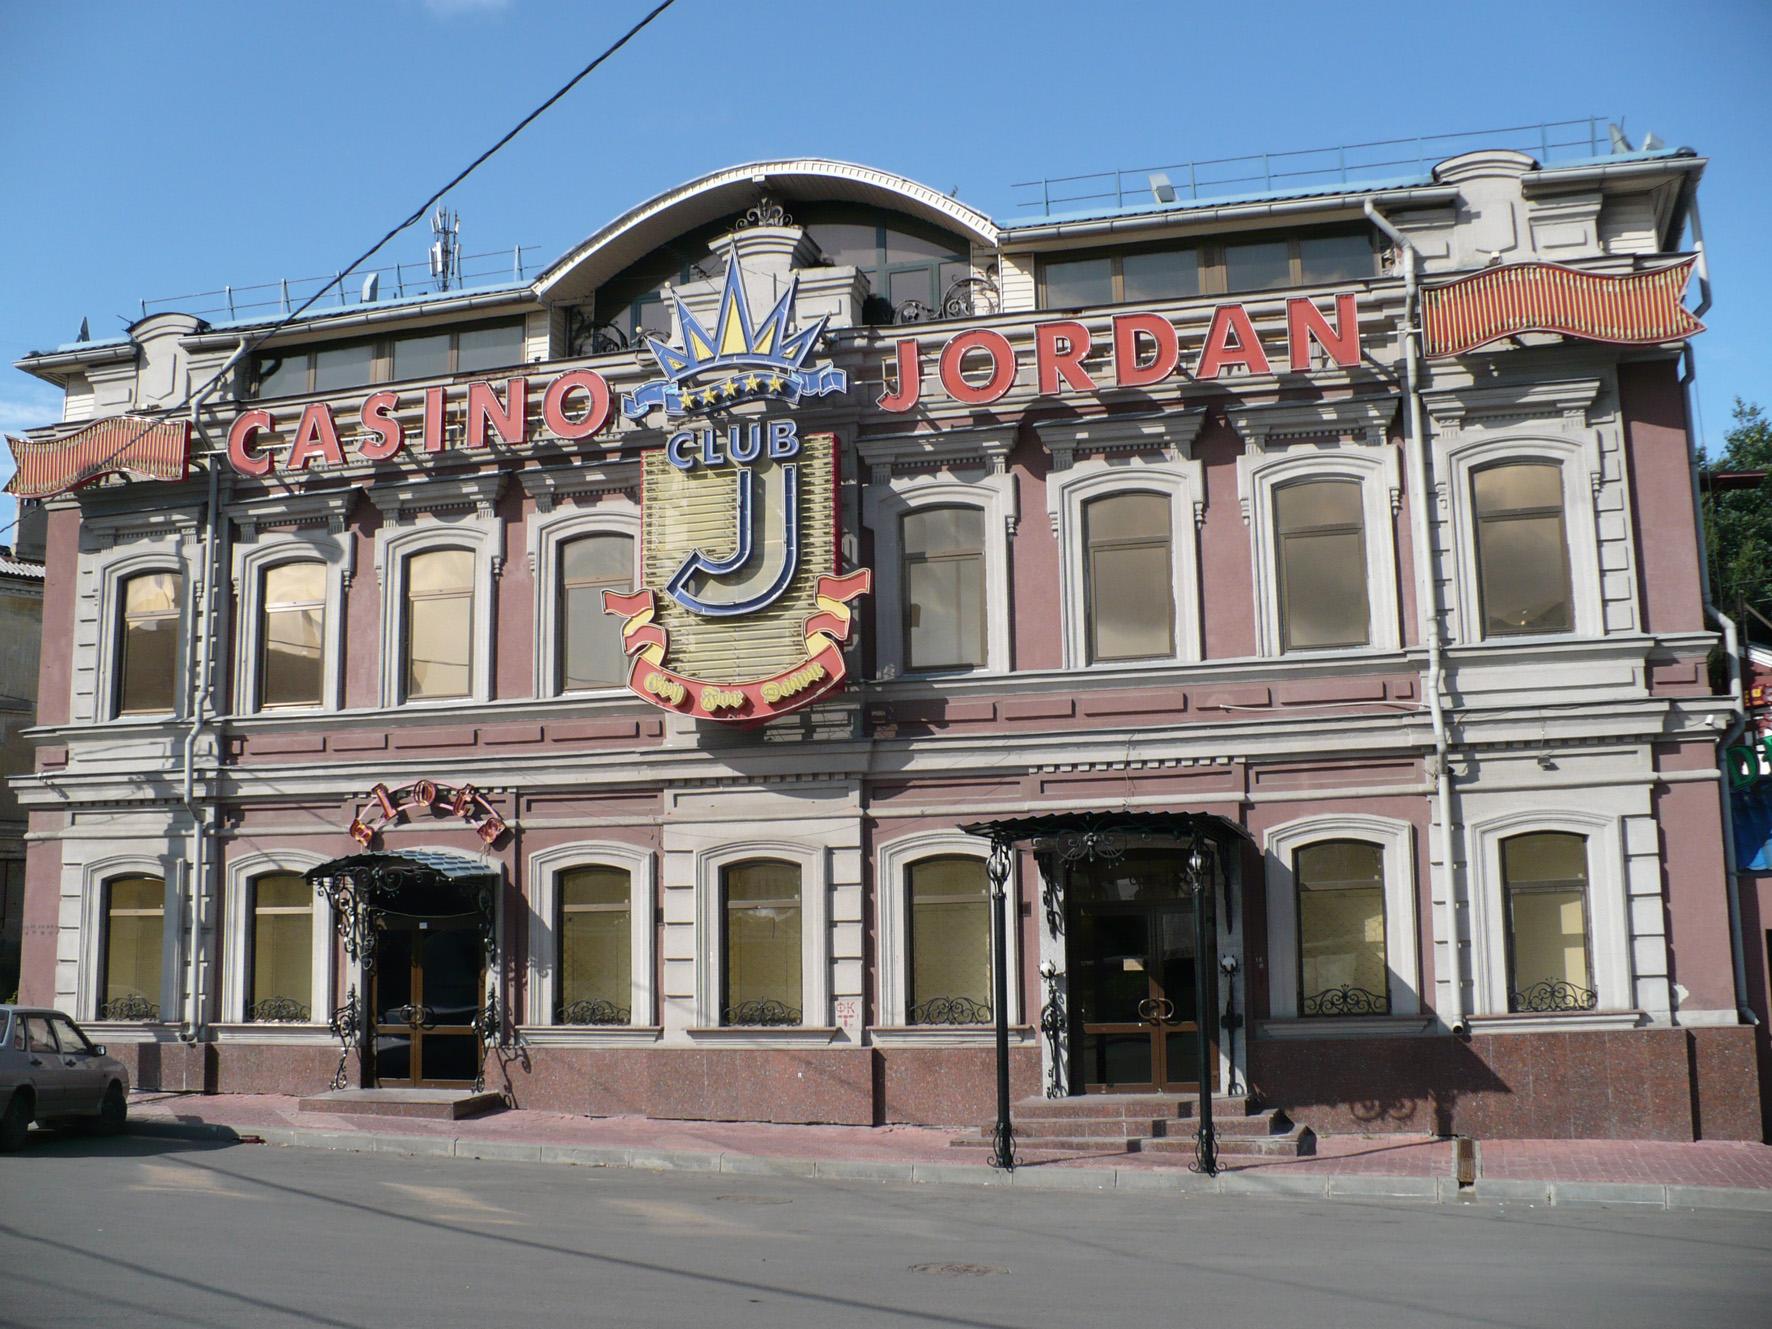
(1636, 308)
(146, 449)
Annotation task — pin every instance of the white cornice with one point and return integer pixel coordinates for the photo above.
(1357, 419)
(1171, 433)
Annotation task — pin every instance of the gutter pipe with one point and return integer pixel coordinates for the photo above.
(1430, 610)
(1731, 642)
(198, 864)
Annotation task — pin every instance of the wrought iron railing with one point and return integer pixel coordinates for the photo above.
(765, 1012)
(950, 1010)
(595, 1011)
(279, 1010)
(1553, 994)
(130, 1006)
(1346, 1000)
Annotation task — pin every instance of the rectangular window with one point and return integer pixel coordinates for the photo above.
(281, 960)
(1130, 587)
(292, 631)
(283, 373)
(950, 943)
(337, 368)
(440, 625)
(1323, 259)
(1319, 528)
(148, 650)
(1259, 265)
(944, 588)
(590, 640)
(425, 356)
(762, 945)
(1078, 283)
(1522, 549)
(596, 947)
(1544, 876)
(1341, 953)
(1120, 278)
(135, 919)
(490, 346)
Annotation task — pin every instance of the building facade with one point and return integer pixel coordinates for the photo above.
(1361, 519)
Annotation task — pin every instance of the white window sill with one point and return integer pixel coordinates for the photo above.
(1547, 1022)
(273, 1032)
(128, 1031)
(588, 1035)
(945, 1035)
(1352, 1026)
(765, 1036)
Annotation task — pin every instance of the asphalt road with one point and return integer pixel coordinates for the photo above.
(144, 1232)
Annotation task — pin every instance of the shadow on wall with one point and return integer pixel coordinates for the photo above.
(1372, 1085)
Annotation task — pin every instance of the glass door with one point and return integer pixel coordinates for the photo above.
(428, 976)
(1134, 971)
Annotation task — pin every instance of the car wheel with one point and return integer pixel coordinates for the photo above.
(15, 1124)
(113, 1113)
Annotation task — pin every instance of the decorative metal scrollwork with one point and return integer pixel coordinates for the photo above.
(965, 297)
(347, 1029)
(1051, 889)
(1056, 1026)
(280, 1010)
(588, 336)
(950, 1010)
(1555, 994)
(595, 1011)
(765, 1012)
(766, 211)
(1346, 1000)
(130, 1006)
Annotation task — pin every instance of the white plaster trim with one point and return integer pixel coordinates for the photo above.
(394, 546)
(961, 1036)
(543, 874)
(891, 888)
(1357, 419)
(237, 937)
(1560, 1022)
(815, 939)
(1182, 482)
(1373, 1026)
(1608, 924)
(163, 860)
(110, 569)
(274, 1035)
(885, 502)
(613, 516)
(589, 1036)
(1458, 456)
(746, 1037)
(1377, 472)
(1167, 434)
(1396, 840)
(582, 482)
(254, 555)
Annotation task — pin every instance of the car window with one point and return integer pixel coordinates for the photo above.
(37, 1036)
(18, 1033)
(72, 1040)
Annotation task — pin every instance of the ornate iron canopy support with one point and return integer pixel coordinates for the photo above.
(1197, 879)
(348, 1031)
(997, 867)
(1055, 1024)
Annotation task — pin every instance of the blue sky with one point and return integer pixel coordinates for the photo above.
(156, 149)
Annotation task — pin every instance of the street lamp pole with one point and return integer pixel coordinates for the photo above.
(1199, 884)
(1003, 1138)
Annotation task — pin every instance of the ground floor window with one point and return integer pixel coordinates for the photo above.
(762, 944)
(281, 958)
(1341, 956)
(950, 942)
(134, 932)
(596, 946)
(1544, 878)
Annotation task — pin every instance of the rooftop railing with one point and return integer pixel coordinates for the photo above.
(1549, 141)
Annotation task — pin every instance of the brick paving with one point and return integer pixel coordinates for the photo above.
(1701, 1163)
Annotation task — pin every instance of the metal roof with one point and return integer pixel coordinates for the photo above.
(1183, 825)
(18, 567)
(420, 864)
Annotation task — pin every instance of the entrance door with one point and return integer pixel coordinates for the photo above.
(428, 980)
(1134, 978)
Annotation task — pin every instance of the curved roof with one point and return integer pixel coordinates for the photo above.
(639, 231)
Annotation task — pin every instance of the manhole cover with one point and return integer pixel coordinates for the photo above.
(958, 1270)
(753, 1199)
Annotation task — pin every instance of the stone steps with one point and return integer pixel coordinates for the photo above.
(1296, 1142)
(1145, 1123)
(1132, 1106)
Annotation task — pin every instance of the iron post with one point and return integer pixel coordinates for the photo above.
(1003, 1138)
(1199, 882)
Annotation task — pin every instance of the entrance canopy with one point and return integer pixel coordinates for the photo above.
(1129, 828)
(424, 883)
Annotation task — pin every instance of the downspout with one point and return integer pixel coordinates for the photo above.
(198, 859)
(1731, 642)
(1428, 588)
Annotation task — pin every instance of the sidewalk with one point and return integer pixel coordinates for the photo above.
(1707, 1174)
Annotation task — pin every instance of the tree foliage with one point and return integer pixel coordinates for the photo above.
(1738, 522)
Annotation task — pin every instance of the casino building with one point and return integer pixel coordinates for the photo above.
(582, 684)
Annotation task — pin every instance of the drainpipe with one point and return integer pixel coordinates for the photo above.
(1731, 644)
(197, 862)
(1427, 587)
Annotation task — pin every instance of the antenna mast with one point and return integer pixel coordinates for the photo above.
(446, 248)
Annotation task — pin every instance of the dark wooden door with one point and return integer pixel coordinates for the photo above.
(1137, 1025)
(428, 978)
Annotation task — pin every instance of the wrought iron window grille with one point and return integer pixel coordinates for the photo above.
(763, 1013)
(1553, 994)
(950, 1010)
(595, 1010)
(1346, 1000)
(965, 297)
(130, 1006)
(280, 1010)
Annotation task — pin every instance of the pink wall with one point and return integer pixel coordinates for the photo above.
(362, 662)
(1227, 586)
(1654, 411)
(42, 914)
(1691, 819)
(55, 666)
(514, 651)
(1034, 573)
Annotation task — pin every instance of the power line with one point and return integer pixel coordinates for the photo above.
(249, 343)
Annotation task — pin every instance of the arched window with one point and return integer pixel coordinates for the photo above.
(1522, 549)
(280, 952)
(1129, 584)
(762, 969)
(147, 676)
(134, 934)
(292, 634)
(590, 640)
(1341, 942)
(949, 943)
(1321, 559)
(439, 639)
(596, 946)
(1550, 953)
(944, 597)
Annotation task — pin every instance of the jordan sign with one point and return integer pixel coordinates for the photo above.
(741, 615)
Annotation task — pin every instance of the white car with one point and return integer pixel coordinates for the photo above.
(50, 1071)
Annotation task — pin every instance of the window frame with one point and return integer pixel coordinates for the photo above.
(907, 560)
(545, 867)
(1298, 914)
(89, 977)
(1509, 891)
(252, 560)
(1090, 548)
(1283, 564)
(381, 356)
(1396, 841)
(547, 536)
(1211, 264)
(481, 537)
(237, 944)
(815, 940)
(1481, 522)
(113, 576)
(179, 617)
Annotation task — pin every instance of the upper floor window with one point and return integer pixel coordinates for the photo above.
(280, 950)
(1321, 560)
(292, 632)
(1120, 278)
(1129, 581)
(1173, 272)
(1342, 968)
(1544, 882)
(438, 643)
(147, 680)
(131, 947)
(944, 576)
(1300, 260)
(589, 640)
(762, 944)
(596, 947)
(1522, 552)
(949, 942)
(434, 353)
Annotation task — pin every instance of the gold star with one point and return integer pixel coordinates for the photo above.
(775, 383)
(753, 382)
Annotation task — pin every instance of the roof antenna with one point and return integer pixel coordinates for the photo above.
(446, 248)
(85, 331)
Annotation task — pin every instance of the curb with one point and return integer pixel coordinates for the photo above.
(1325, 1186)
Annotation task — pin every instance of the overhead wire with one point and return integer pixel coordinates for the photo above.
(257, 339)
